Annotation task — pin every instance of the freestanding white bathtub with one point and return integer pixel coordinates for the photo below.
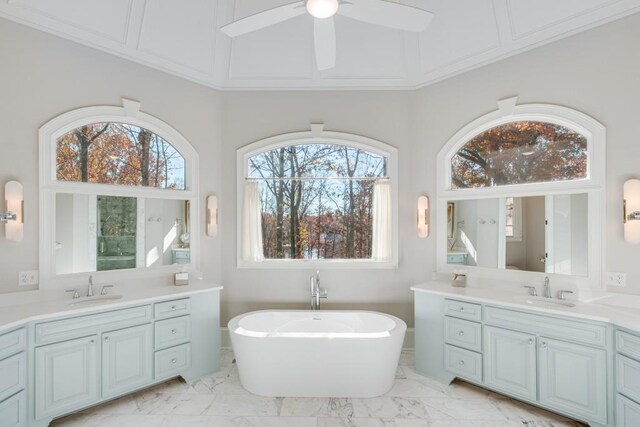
(317, 353)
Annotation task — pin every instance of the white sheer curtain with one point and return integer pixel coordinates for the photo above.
(381, 216)
(252, 224)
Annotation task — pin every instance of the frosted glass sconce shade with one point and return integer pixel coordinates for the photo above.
(423, 217)
(632, 211)
(212, 216)
(322, 8)
(14, 216)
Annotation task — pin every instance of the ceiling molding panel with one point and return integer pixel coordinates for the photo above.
(94, 20)
(184, 36)
(475, 33)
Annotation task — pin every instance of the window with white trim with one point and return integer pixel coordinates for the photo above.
(314, 200)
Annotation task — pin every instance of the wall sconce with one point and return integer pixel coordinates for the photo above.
(632, 211)
(212, 216)
(14, 216)
(423, 217)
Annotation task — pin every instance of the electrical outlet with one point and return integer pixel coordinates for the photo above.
(616, 279)
(28, 278)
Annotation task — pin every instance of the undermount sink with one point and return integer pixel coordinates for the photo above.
(543, 302)
(100, 299)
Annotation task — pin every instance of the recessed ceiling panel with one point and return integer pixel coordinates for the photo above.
(475, 32)
(282, 51)
(527, 17)
(179, 32)
(108, 19)
(367, 51)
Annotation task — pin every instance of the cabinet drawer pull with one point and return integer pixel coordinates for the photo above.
(530, 341)
(461, 363)
(173, 307)
(461, 308)
(173, 331)
(461, 333)
(174, 360)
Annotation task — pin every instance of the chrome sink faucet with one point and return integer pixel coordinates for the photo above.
(90, 287)
(547, 288)
(316, 291)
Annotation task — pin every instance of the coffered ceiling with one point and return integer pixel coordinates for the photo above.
(182, 37)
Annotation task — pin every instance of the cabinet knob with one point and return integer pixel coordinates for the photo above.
(173, 307)
(530, 341)
(461, 363)
(174, 360)
(92, 341)
(173, 331)
(544, 344)
(106, 339)
(461, 333)
(461, 308)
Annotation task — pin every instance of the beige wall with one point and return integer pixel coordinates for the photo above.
(597, 72)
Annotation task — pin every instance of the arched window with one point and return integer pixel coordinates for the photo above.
(520, 152)
(118, 153)
(317, 199)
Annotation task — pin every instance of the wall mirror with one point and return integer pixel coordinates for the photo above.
(546, 234)
(520, 195)
(102, 233)
(118, 195)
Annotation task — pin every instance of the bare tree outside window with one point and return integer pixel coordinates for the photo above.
(119, 153)
(316, 200)
(518, 153)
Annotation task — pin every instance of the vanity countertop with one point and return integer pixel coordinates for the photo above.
(617, 309)
(40, 305)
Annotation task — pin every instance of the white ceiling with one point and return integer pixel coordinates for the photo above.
(182, 37)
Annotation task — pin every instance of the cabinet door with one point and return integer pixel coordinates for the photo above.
(510, 362)
(573, 379)
(66, 376)
(126, 360)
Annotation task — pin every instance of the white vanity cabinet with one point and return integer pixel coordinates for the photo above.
(13, 378)
(554, 362)
(627, 378)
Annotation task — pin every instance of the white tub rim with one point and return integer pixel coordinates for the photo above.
(399, 326)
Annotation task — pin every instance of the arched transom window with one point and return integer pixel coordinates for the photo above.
(520, 152)
(121, 154)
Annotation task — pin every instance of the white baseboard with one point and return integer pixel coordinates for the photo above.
(409, 338)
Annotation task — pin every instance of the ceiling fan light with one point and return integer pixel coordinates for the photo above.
(322, 8)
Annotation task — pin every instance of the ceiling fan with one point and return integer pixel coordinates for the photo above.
(379, 12)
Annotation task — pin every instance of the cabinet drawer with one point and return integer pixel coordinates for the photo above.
(627, 412)
(13, 375)
(628, 377)
(172, 332)
(564, 329)
(172, 361)
(13, 411)
(464, 363)
(81, 326)
(628, 344)
(463, 333)
(173, 308)
(461, 309)
(13, 342)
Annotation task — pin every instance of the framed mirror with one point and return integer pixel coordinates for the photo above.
(118, 190)
(520, 195)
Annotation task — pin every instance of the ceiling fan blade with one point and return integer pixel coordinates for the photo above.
(387, 14)
(264, 19)
(324, 37)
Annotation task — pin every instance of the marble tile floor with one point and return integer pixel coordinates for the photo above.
(220, 401)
